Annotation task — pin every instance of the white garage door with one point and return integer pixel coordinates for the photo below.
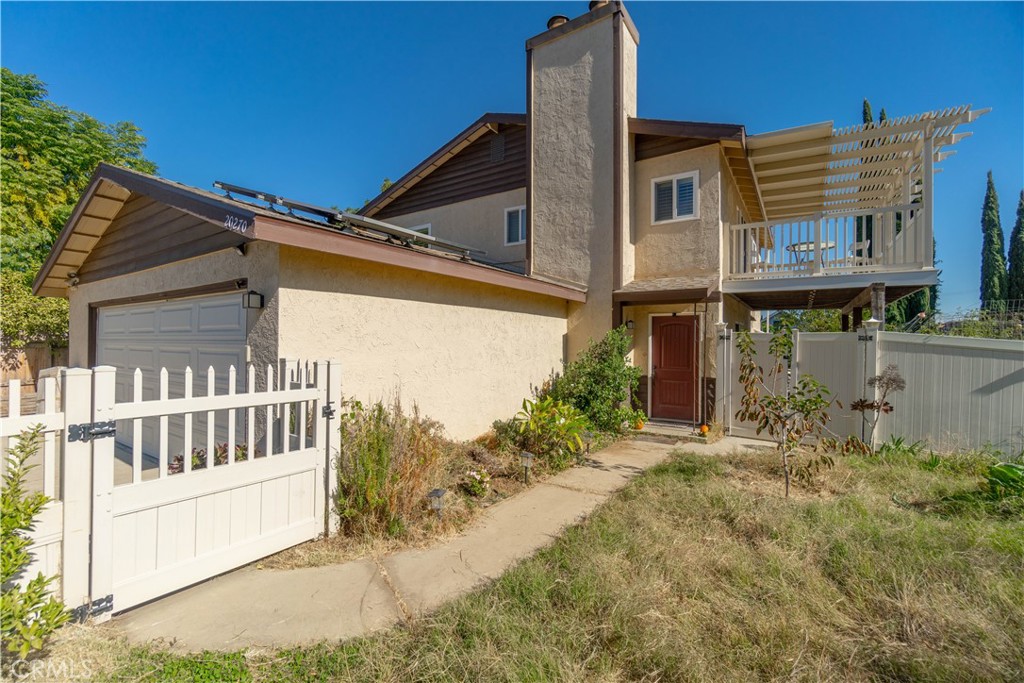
(197, 332)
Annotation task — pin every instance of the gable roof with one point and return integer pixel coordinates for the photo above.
(489, 122)
(112, 187)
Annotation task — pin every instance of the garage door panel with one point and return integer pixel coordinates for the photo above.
(141, 322)
(222, 316)
(176, 319)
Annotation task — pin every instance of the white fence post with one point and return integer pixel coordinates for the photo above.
(76, 488)
(102, 573)
(723, 374)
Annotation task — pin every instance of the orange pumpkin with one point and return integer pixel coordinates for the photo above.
(704, 429)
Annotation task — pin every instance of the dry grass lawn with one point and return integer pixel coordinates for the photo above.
(700, 570)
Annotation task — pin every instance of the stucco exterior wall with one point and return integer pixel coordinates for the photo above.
(466, 353)
(628, 47)
(678, 248)
(478, 222)
(736, 312)
(572, 137)
(259, 265)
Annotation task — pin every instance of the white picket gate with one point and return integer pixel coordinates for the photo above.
(253, 477)
(961, 393)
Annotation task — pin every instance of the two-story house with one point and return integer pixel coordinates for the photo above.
(476, 274)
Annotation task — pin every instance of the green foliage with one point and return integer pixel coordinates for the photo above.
(27, 318)
(812, 320)
(600, 383)
(477, 483)
(1015, 268)
(48, 155)
(1005, 479)
(993, 263)
(30, 612)
(386, 462)
(220, 457)
(897, 447)
(788, 413)
(551, 430)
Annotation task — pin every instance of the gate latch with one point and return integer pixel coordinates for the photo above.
(87, 431)
(83, 612)
(328, 410)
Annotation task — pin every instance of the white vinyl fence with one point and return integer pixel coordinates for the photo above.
(961, 392)
(134, 517)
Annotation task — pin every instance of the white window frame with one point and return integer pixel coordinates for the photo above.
(695, 175)
(426, 229)
(522, 225)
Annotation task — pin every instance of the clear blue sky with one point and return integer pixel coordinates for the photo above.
(321, 101)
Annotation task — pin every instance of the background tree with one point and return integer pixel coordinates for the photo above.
(993, 263)
(48, 155)
(1015, 274)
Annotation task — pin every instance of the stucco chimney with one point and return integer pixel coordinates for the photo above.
(581, 90)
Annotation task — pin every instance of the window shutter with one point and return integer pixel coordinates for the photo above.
(512, 226)
(684, 197)
(663, 201)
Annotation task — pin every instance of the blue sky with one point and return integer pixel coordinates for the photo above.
(320, 101)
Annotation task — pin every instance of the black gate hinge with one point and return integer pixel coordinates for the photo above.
(83, 612)
(87, 431)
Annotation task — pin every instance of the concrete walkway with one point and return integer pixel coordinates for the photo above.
(282, 608)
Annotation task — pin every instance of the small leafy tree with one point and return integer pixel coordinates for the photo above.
(552, 430)
(30, 612)
(788, 412)
(888, 382)
(600, 383)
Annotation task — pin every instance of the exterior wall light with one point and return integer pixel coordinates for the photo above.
(436, 498)
(630, 324)
(252, 299)
(526, 459)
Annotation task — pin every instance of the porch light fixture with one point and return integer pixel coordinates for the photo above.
(436, 498)
(630, 324)
(252, 299)
(526, 459)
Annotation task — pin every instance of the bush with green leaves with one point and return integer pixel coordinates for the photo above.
(1005, 479)
(601, 383)
(386, 463)
(551, 430)
(30, 612)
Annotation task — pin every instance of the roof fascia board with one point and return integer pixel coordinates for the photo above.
(332, 242)
(686, 129)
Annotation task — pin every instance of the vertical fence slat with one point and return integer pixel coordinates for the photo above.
(232, 378)
(270, 412)
(47, 405)
(76, 491)
(102, 550)
(211, 380)
(137, 429)
(250, 420)
(187, 445)
(302, 408)
(163, 424)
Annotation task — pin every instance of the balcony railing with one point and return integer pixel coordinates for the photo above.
(894, 238)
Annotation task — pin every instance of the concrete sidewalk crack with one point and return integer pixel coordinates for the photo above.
(579, 489)
(404, 608)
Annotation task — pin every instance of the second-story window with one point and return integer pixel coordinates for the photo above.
(515, 225)
(675, 198)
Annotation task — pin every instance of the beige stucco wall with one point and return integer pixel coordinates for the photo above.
(478, 222)
(259, 265)
(628, 47)
(466, 353)
(678, 248)
(572, 171)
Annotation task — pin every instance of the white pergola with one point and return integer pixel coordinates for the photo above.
(817, 169)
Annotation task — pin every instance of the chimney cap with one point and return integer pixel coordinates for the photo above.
(557, 21)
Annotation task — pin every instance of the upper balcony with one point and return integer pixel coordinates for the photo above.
(842, 209)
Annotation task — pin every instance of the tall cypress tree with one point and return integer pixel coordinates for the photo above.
(865, 112)
(993, 262)
(1015, 275)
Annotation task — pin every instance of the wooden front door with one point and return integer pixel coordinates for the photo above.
(674, 367)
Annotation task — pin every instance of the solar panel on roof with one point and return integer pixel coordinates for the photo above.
(343, 218)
